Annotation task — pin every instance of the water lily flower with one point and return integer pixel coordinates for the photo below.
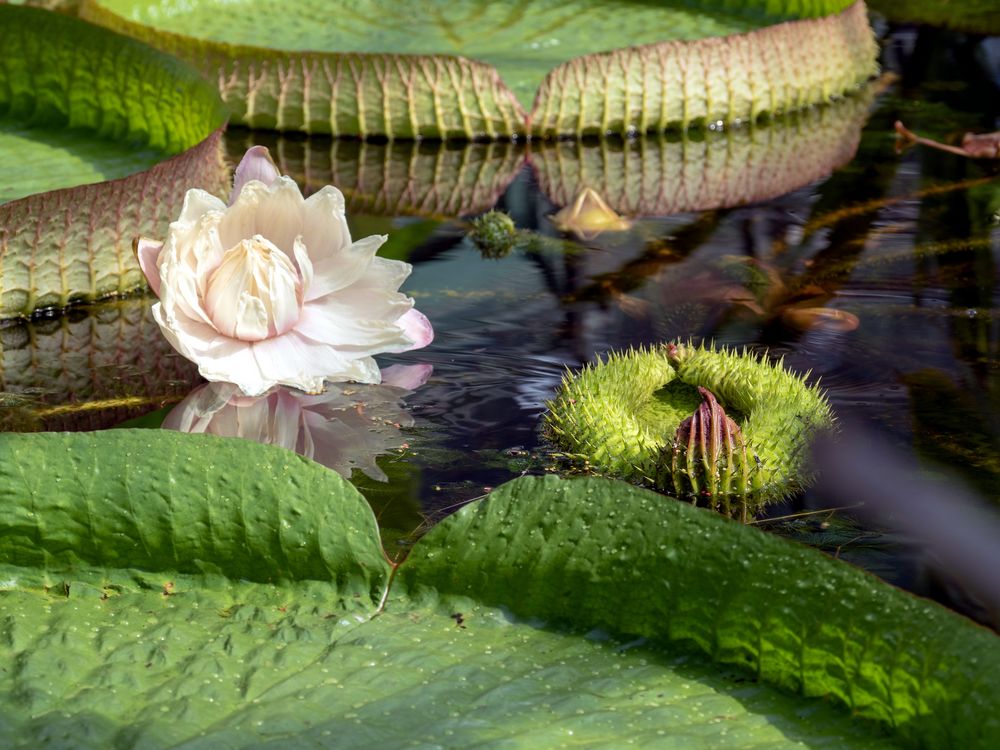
(272, 290)
(344, 428)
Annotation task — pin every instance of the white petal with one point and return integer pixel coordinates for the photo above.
(324, 224)
(275, 212)
(256, 164)
(304, 264)
(297, 361)
(197, 203)
(234, 361)
(254, 293)
(336, 272)
(384, 274)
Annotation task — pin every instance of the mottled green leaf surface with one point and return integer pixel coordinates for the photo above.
(79, 104)
(36, 159)
(185, 503)
(472, 69)
(593, 552)
(149, 598)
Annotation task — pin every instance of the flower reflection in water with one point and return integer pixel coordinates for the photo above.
(344, 428)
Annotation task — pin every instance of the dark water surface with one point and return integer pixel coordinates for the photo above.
(738, 232)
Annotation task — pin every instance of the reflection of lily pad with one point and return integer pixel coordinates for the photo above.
(653, 175)
(286, 650)
(389, 179)
(667, 175)
(471, 69)
(93, 370)
(79, 104)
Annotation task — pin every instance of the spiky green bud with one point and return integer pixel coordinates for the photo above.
(623, 416)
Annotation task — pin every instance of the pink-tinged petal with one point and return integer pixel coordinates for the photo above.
(197, 203)
(147, 252)
(256, 164)
(336, 272)
(417, 328)
(407, 377)
(351, 328)
(324, 226)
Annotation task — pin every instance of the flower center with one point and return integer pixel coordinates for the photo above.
(255, 292)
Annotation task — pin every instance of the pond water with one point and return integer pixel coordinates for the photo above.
(818, 211)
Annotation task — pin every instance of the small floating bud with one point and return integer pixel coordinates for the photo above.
(589, 216)
(494, 234)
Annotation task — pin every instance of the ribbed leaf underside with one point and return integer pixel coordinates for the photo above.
(725, 63)
(729, 79)
(75, 244)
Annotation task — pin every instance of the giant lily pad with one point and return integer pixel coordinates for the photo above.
(240, 607)
(475, 69)
(80, 105)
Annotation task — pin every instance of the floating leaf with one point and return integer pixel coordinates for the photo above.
(288, 651)
(75, 98)
(382, 69)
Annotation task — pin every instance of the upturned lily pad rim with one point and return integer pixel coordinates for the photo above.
(848, 62)
(74, 244)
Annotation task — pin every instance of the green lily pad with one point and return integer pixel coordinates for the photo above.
(472, 69)
(115, 131)
(240, 605)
